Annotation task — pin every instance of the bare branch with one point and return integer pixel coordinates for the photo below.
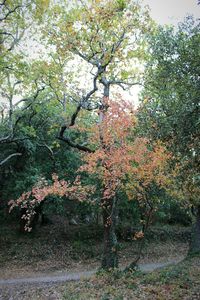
(29, 98)
(9, 157)
(75, 145)
(16, 39)
(6, 33)
(67, 139)
(123, 83)
(74, 116)
(4, 139)
(10, 139)
(88, 59)
(3, 3)
(48, 148)
(116, 46)
(10, 11)
(83, 104)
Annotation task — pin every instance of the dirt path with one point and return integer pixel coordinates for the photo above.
(74, 276)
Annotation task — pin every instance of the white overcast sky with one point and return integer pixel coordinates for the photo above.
(167, 12)
(172, 11)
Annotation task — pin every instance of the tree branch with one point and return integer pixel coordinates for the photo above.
(30, 98)
(10, 11)
(9, 157)
(48, 148)
(74, 145)
(67, 139)
(83, 104)
(4, 139)
(122, 83)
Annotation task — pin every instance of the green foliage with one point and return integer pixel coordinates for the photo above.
(172, 213)
(170, 102)
(121, 4)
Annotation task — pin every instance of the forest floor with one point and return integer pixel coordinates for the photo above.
(52, 251)
(180, 281)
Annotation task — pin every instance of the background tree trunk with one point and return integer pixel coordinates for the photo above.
(195, 237)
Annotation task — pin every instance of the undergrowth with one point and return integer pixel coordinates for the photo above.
(175, 282)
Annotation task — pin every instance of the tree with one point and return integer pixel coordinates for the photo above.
(148, 179)
(119, 161)
(16, 89)
(18, 86)
(126, 162)
(16, 18)
(170, 106)
(107, 36)
(109, 163)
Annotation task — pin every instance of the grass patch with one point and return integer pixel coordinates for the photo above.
(175, 282)
(86, 249)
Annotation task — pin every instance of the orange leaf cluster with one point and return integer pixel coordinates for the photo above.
(138, 235)
(29, 200)
(112, 157)
(123, 160)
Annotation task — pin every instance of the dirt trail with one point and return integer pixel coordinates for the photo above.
(75, 276)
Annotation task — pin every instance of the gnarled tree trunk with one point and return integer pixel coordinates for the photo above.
(195, 237)
(110, 257)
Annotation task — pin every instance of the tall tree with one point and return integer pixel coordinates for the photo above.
(16, 17)
(170, 108)
(109, 38)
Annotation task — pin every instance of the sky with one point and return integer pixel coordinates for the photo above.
(167, 12)
(172, 11)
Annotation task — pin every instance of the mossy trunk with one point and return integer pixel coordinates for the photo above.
(110, 256)
(195, 236)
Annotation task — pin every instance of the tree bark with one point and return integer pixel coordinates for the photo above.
(195, 236)
(110, 257)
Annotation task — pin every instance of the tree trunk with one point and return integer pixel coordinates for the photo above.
(195, 237)
(109, 206)
(110, 257)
